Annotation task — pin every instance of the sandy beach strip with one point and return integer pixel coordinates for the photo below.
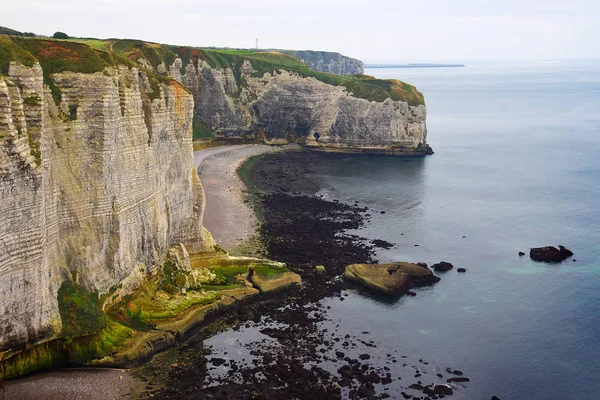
(226, 216)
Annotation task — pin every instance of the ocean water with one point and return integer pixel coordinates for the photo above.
(517, 165)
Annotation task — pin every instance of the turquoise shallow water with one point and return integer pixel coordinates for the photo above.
(516, 166)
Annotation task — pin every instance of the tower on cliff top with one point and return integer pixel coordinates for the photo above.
(256, 43)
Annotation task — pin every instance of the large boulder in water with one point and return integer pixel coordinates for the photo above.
(392, 279)
(442, 266)
(550, 254)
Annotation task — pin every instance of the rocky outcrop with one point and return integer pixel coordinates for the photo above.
(324, 61)
(550, 254)
(96, 182)
(284, 106)
(393, 279)
(442, 266)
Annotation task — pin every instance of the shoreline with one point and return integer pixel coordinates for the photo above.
(90, 381)
(182, 368)
(226, 215)
(294, 346)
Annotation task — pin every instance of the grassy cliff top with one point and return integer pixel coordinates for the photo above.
(362, 86)
(93, 55)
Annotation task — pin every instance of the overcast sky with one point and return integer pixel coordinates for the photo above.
(373, 31)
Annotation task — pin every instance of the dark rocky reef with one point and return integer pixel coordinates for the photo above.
(550, 254)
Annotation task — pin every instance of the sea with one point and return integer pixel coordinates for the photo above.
(516, 166)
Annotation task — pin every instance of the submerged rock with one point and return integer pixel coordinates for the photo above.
(393, 279)
(550, 254)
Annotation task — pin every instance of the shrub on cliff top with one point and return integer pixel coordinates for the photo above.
(60, 35)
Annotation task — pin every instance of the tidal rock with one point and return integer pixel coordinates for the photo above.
(521, 254)
(366, 390)
(461, 270)
(550, 254)
(461, 379)
(392, 279)
(443, 389)
(565, 251)
(442, 266)
(422, 264)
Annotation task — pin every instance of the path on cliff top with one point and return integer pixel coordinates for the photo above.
(226, 216)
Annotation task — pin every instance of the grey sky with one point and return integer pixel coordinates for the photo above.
(374, 31)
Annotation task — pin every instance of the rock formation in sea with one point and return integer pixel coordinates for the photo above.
(392, 279)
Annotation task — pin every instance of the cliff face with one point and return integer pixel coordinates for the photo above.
(324, 61)
(96, 163)
(285, 106)
(95, 185)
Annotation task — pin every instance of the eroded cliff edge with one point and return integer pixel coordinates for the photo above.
(96, 180)
(325, 61)
(276, 98)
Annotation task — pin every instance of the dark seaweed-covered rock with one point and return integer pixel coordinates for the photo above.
(564, 251)
(442, 266)
(550, 254)
(460, 379)
(366, 390)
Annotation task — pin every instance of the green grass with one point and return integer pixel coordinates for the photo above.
(201, 130)
(268, 272)
(206, 286)
(96, 44)
(172, 308)
(154, 53)
(10, 51)
(227, 275)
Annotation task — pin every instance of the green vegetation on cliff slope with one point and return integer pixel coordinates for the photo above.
(362, 86)
(93, 55)
(10, 51)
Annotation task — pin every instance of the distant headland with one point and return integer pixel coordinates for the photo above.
(415, 65)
